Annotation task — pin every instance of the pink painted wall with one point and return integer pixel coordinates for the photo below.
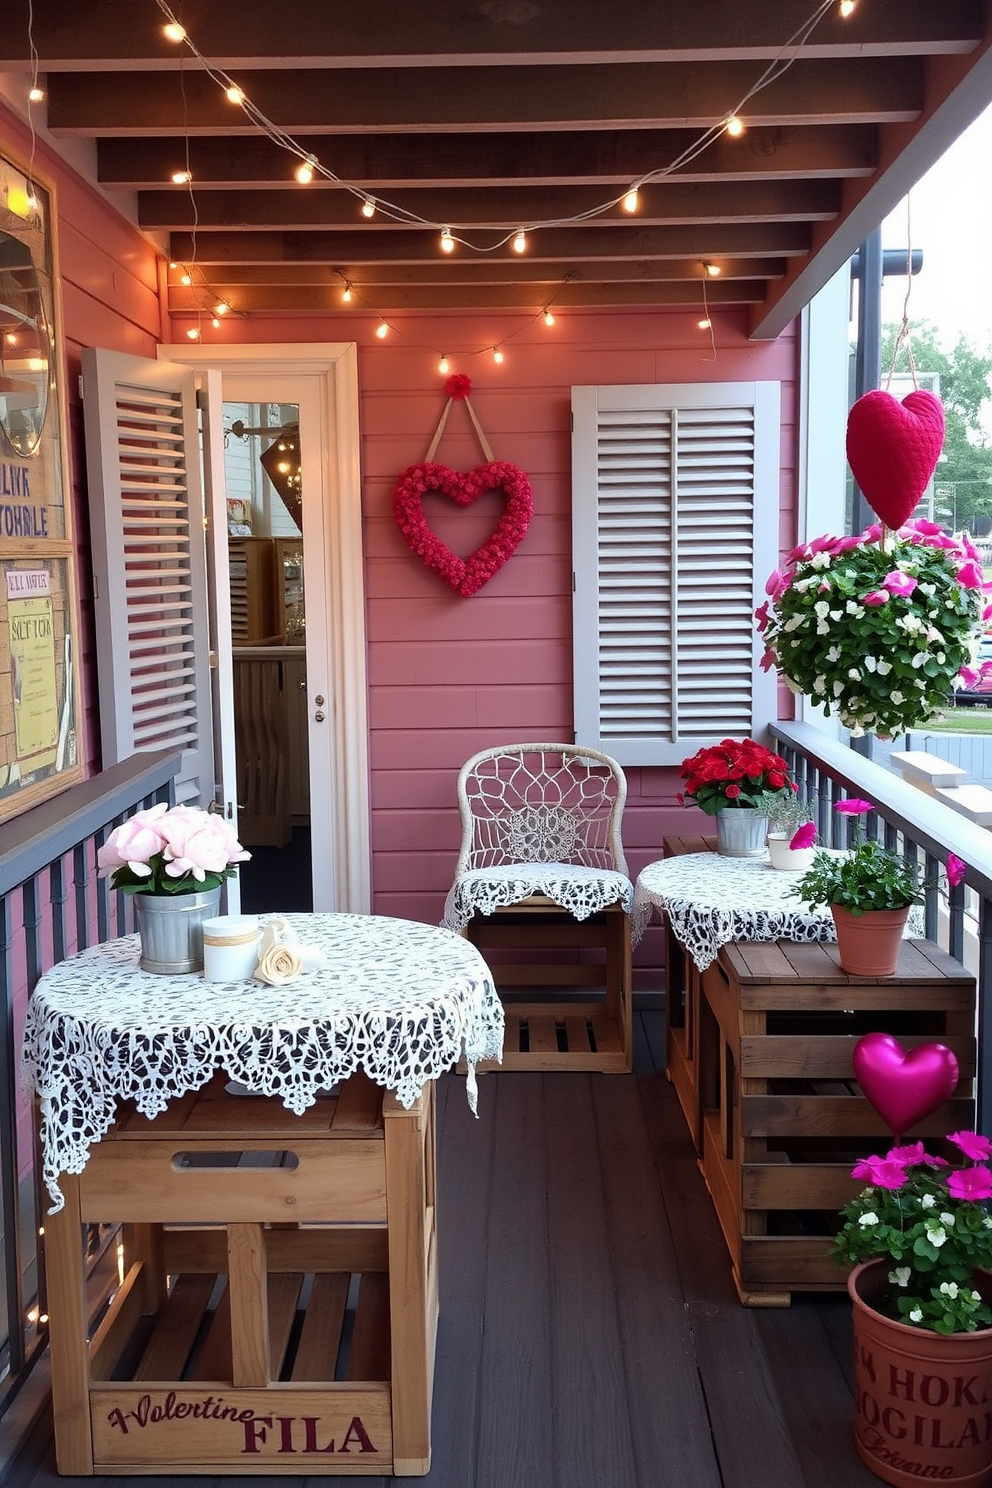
(449, 675)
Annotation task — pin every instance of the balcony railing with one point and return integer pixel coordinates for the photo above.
(925, 830)
(53, 905)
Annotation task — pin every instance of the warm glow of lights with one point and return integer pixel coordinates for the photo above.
(382, 331)
(120, 1263)
(705, 324)
(186, 279)
(37, 364)
(221, 309)
(631, 201)
(847, 8)
(43, 1318)
(215, 323)
(447, 242)
(20, 201)
(33, 1315)
(712, 269)
(174, 31)
(304, 172)
(444, 366)
(193, 333)
(497, 354)
(11, 338)
(734, 126)
(548, 318)
(520, 241)
(173, 264)
(346, 294)
(368, 207)
(181, 177)
(36, 94)
(235, 94)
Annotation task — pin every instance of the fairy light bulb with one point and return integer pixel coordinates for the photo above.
(368, 207)
(447, 241)
(704, 324)
(847, 8)
(631, 201)
(304, 171)
(444, 366)
(346, 294)
(193, 333)
(36, 94)
(222, 308)
(186, 279)
(382, 330)
(520, 241)
(215, 323)
(734, 126)
(235, 94)
(712, 269)
(497, 354)
(549, 319)
(180, 177)
(174, 32)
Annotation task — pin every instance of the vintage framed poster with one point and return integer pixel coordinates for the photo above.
(39, 691)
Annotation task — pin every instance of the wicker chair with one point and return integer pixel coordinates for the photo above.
(542, 871)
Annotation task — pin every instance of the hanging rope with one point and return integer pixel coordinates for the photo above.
(903, 335)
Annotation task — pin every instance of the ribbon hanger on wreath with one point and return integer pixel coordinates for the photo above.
(465, 575)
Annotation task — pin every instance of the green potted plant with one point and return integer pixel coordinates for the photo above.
(869, 890)
(791, 833)
(920, 1238)
(735, 781)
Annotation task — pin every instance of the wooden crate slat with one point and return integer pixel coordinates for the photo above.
(176, 1328)
(320, 1336)
(798, 1056)
(368, 1358)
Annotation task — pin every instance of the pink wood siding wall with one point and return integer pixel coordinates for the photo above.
(449, 675)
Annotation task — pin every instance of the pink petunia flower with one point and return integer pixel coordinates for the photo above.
(761, 616)
(972, 1144)
(969, 676)
(882, 1172)
(876, 597)
(898, 583)
(956, 871)
(970, 575)
(854, 807)
(805, 836)
(971, 1183)
(910, 1156)
(768, 660)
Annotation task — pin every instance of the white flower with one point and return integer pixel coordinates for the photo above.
(884, 668)
(916, 1316)
(854, 674)
(897, 698)
(821, 609)
(833, 654)
(928, 1201)
(870, 1218)
(819, 686)
(936, 1235)
(900, 1276)
(853, 608)
(949, 1289)
(870, 663)
(836, 614)
(793, 623)
(920, 659)
(947, 1220)
(820, 560)
(838, 688)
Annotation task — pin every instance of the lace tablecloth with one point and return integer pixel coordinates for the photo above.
(711, 900)
(582, 891)
(400, 1000)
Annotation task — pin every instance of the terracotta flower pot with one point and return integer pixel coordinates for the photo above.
(922, 1399)
(869, 943)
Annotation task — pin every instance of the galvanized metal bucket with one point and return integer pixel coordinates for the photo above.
(171, 930)
(741, 832)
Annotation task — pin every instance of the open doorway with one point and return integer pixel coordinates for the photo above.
(265, 515)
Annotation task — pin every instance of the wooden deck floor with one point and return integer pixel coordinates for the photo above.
(590, 1335)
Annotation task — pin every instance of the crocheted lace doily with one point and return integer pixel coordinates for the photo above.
(400, 1000)
(582, 891)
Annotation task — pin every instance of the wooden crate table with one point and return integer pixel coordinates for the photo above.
(760, 1044)
(277, 1300)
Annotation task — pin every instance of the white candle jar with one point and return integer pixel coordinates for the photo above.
(230, 948)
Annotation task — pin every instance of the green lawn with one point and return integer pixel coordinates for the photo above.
(964, 721)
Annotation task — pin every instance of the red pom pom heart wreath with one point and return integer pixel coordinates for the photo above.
(892, 449)
(466, 575)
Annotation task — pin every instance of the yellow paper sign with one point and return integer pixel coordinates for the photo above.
(32, 659)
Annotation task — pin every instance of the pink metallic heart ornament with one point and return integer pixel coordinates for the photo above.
(892, 449)
(903, 1087)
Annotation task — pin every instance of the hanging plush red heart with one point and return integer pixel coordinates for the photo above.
(893, 448)
(903, 1087)
(469, 574)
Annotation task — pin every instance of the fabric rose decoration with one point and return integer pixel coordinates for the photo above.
(279, 964)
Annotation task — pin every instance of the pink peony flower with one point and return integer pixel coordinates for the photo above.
(198, 843)
(970, 575)
(971, 1183)
(854, 807)
(972, 1144)
(898, 583)
(134, 843)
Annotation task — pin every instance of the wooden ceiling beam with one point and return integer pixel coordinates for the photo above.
(119, 34)
(500, 209)
(389, 298)
(775, 239)
(638, 95)
(550, 274)
(386, 161)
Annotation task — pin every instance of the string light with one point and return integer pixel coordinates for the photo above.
(733, 126)
(382, 330)
(174, 31)
(368, 207)
(235, 94)
(346, 293)
(444, 366)
(549, 319)
(711, 268)
(215, 323)
(447, 241)
(304, 171)
(222, 308)
(520, 241)
(631, 201)
(193, 333)
(186, 279)
(36, 94)
(847, 8)
(704, 324)
(181, 177)
(497, 354)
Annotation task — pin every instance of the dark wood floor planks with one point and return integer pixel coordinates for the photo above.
(590, 1335)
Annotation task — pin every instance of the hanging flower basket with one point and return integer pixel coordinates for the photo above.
(880, 628)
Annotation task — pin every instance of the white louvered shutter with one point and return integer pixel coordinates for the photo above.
(675, 494)
(146, 519)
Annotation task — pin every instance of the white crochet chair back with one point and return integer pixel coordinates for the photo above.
(541, 803)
